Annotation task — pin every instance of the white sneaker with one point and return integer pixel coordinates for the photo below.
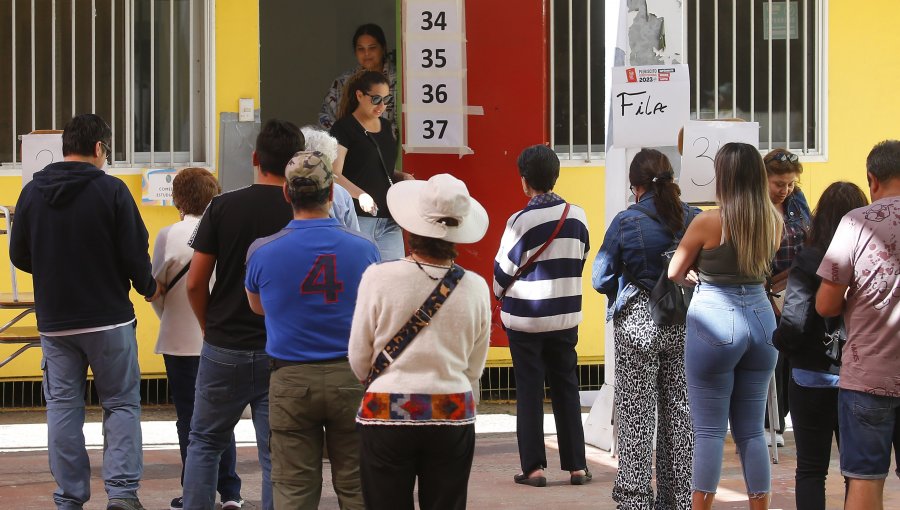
(779, 439)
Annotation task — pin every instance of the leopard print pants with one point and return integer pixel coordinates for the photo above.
(650, 381)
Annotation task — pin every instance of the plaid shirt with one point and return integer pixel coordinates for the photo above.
(796, 226)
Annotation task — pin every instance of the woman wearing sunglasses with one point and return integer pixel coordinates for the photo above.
(367, 152)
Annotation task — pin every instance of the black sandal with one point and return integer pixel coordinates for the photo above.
(535, 481)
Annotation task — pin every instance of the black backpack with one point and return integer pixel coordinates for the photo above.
(668, 300)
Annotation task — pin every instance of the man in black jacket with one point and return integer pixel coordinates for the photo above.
(78, 231)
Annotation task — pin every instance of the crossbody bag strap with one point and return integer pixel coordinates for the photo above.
(419, 320)
(178, 276)
(543, 247)
(380, 157)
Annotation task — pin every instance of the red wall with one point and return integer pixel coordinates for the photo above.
(507, 64)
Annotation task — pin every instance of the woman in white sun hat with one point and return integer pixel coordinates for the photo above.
(419, 342)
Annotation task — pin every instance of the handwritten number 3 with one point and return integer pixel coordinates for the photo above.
(703, 155)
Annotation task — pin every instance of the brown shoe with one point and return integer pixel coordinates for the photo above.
(581, 479)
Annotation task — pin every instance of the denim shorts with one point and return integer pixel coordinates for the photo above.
(869, 426)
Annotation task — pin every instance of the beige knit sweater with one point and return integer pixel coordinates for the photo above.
(447, 356)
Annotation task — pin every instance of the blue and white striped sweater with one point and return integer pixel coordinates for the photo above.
(547, 297)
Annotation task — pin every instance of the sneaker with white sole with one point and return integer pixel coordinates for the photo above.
(232, 504)
(177, 503)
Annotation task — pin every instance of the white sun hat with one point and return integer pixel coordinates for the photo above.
(440, 207)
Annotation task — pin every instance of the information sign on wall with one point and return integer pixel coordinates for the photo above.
(156, 186)
(702, 140)
(434, 67)
(649, 104)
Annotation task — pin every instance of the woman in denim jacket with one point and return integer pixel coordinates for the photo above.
(783, 168)
(649, 359)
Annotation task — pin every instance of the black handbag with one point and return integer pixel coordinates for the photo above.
(668, 301)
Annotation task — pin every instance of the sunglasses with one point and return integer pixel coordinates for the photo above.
(377, 99)
(785, 157)
(108, 151)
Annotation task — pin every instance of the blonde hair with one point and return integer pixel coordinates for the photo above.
(748, 217)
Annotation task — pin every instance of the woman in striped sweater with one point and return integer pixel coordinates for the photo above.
(541, 312)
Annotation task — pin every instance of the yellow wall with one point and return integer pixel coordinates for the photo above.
(236, 76)
(862, 109)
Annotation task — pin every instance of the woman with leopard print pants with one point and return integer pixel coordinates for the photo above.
(650, 376)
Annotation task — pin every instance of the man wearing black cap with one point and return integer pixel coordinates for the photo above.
(304, 279)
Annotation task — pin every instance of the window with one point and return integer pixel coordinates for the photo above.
(577, 51)
(739, 70)
(141, 65)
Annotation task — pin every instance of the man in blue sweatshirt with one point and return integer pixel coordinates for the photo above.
(78, 231)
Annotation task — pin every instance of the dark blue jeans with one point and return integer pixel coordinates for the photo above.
(227, 380)
(182, 374)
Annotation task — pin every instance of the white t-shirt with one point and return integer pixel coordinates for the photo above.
(179, 331)
(865, 255)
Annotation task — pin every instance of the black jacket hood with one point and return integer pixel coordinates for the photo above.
(60, 182)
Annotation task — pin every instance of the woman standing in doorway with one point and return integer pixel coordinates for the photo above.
(370, 47)
(367, 153)
(729, 356)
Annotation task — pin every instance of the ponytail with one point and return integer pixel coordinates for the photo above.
(362, 81)
(652, 170)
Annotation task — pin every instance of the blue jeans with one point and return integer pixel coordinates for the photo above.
(112, 356)
(870, 426)
(181, 372)
(227, 380)
(729, 360)
(386, 234)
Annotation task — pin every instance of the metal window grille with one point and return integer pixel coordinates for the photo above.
(760, 60)
(141, 65)
(577, 73)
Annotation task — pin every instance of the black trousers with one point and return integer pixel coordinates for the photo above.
(536, 355)
(814, 414)
(393, 456)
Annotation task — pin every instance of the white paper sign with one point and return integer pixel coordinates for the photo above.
(649, 104)
(435, 129)
(156, 186)
(38, 151)
(434, 53)
(440, 15)
(702, 140)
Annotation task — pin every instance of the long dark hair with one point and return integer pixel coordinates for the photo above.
(652, 170)
(837, 200)
(373, 30)
(362, 81)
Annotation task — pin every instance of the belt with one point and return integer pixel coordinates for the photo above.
(275, 363)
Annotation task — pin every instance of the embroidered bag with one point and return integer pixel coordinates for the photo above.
(419, 320)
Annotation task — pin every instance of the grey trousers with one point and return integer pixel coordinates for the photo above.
(112, 356)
